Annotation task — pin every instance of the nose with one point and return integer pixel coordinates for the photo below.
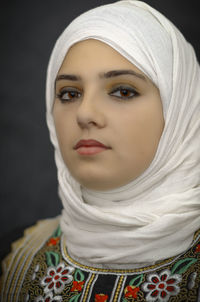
(90, 112)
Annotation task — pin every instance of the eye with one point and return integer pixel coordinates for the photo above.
(124, 92)
(68, 94)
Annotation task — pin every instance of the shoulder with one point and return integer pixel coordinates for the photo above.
(23, 249)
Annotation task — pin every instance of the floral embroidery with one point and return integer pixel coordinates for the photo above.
(197, 250)
(57, 278)
(133, 288)
(49, 298)
(174, 280)
(53, 241)
(131, 291)
(52, 258)
(182, 265)
(77, 286)
(101, 298)
(160, 287)
(55, 237)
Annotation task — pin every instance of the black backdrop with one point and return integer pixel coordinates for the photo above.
(28, 32)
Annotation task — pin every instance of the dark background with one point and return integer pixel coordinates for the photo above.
(29, 30)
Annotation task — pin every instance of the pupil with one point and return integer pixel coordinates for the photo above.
(124, 92)
(72, 94)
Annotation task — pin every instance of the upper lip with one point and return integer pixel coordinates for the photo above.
(89, 143)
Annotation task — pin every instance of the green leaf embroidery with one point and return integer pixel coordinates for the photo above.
(124, 300)
(52, 258)
(57, 232)
(136, 281)
(78, 275)
(182, 265)
(75, 298)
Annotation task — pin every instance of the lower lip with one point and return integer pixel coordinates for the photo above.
(90, 150)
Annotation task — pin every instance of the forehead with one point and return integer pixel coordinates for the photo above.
(94, 55)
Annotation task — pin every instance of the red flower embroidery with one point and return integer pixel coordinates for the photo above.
(131, 291)
(101, 298)
(197, 249)
(53, 241)
(161, 287)
(77, 286)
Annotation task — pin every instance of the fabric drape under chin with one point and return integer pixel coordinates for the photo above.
(155, 216)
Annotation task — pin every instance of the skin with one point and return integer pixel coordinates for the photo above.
(129, 123)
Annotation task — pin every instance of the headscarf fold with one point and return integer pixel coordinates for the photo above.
(154, 216)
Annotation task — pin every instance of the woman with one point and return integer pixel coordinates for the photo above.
(123, 114)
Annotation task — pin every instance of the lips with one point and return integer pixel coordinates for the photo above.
(89, 143)
(90, 147)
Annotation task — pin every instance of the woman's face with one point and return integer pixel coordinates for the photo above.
(102, 98)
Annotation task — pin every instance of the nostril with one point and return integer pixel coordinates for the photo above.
(89, 116)
(86, 120)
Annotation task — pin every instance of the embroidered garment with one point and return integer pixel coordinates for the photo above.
(40, 269)
(164, 202)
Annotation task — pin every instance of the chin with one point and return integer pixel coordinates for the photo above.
(97, 184)
(94, 185)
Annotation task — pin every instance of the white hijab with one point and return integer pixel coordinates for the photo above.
(155, 216)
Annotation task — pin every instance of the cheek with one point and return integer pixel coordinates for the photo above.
(140, 133)
(64, 126)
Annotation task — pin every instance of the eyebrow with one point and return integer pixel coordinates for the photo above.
(115, 73)
(109, 74)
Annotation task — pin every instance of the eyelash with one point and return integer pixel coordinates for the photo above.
(68, 90)
(125, 88)
(78, 93)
